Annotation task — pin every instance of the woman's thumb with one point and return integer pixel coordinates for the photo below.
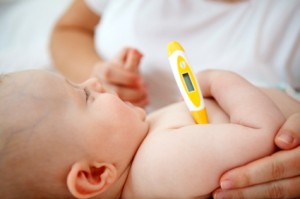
(288, 136)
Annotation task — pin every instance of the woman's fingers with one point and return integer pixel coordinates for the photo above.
(279, 170)
(133, 60)
(120, 76)
(288, 136)
(112, 73)
(285, 188)
(131, 94)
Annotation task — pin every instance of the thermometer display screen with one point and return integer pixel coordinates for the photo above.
(188, 82)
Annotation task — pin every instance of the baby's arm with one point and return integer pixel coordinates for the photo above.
(245, 104)
(188, 161)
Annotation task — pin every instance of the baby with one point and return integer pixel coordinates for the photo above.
(64, 140)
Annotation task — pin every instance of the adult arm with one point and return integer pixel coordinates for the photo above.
(74, 55)
(72, 42)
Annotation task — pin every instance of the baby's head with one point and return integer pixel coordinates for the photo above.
(60, 140)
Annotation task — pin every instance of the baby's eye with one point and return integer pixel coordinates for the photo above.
(87, 94)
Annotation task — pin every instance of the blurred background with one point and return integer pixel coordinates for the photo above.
(25, 28)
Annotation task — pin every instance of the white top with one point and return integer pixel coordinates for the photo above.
(25, 31)
(257, 39)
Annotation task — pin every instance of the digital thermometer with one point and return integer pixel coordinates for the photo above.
(187, 82)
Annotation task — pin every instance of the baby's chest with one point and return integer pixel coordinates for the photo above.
(170, 117)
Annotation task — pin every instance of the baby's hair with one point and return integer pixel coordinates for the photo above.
(15, 156)
(2, 77)
(3, 136)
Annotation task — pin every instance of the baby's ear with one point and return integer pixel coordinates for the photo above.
(86, 179)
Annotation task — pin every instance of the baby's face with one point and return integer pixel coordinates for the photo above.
(85, 115)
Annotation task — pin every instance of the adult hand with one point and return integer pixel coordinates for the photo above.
(121, 76)
(275, 176)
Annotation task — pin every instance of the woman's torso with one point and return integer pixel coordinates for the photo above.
(257, 39)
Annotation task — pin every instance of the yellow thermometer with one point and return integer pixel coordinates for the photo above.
(187, 82)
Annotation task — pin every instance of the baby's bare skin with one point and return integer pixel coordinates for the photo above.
(180, 159)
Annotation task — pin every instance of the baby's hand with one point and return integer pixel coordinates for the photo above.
(121, 76)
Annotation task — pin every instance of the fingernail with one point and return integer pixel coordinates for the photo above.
(286, 138)
(226, 184)
(219, 195)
